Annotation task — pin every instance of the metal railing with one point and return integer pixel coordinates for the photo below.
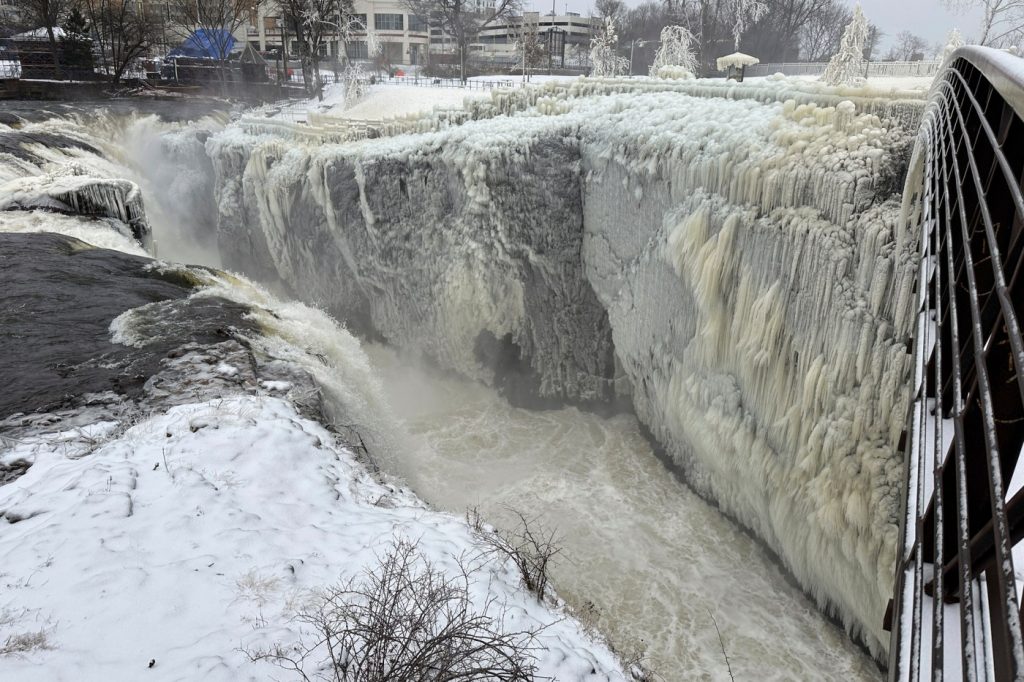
(919, 68)
(427, 82)
(956, 606)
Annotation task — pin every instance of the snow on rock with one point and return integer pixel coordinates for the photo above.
(105, 233)
(180, 541)
(722, 253)
(70, 191)
(164, 531)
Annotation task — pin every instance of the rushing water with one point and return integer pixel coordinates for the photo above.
(656, 560)
(660, 565)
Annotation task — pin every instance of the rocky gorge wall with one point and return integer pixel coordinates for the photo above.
(727, 262)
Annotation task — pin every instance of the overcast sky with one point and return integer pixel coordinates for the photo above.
(927, 18)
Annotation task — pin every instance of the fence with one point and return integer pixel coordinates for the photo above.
(921, 68)
(956, 608)
(10, 69)
(454, 83)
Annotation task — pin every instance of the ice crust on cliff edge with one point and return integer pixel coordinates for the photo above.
(734, 246)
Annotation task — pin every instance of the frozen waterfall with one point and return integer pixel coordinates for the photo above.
(724, 257)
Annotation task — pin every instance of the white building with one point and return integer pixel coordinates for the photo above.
(499, 40)
(403, 36)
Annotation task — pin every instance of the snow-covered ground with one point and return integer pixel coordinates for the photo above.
(189, 538)
(382, 101)
(388, 101)
(170, 535)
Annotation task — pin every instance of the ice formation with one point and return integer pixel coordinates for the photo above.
(724, 254)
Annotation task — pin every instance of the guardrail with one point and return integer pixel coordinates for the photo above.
(427, 82)
(956, 604)
(920, 68)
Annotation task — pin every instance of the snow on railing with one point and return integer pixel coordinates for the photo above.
(919, 68)
(454, 82)
(955, 611)
(10, 69)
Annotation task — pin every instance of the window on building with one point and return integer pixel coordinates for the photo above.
(417, 24)
(356, 49)
(388, 22)
(361, 18)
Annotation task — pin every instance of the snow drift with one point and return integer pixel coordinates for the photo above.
(722, 255)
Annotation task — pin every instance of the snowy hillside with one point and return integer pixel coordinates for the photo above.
(190, 536)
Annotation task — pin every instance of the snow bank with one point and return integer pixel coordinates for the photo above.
(389, 101)
(105, 233)
(69, 191)
(722, 253)
(175, 543)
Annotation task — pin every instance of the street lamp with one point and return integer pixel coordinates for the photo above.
(632, 44)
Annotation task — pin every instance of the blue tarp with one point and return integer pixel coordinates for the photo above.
(206, 43)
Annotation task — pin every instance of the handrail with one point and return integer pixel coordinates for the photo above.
(966, 424)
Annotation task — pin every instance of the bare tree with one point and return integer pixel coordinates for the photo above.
(311, 21)
(530, 546)
(1002, 23)
(47, 15)
(821, 34)
(874, 37)
(212, 22)
(604, 9)
(462, 20)
(125, 30)
(531, 49)
(909, 47)
(405, 621)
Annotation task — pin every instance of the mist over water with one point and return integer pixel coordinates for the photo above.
(655, 559)
(658, 562)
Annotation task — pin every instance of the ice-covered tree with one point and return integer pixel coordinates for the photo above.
(1002, 22)
(846, 64)
(743, 13)
(603, 57)
(677, 50)
(953, 41)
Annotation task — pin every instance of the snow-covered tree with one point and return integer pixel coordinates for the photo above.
(848, 63)
(953, 41)
(676, 50)
(744, 13)
(604, 60)
(1002, 22)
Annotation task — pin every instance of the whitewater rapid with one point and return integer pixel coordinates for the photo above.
(659, 564)
(656, 560)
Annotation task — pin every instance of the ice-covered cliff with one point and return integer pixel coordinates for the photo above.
(724, 255)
